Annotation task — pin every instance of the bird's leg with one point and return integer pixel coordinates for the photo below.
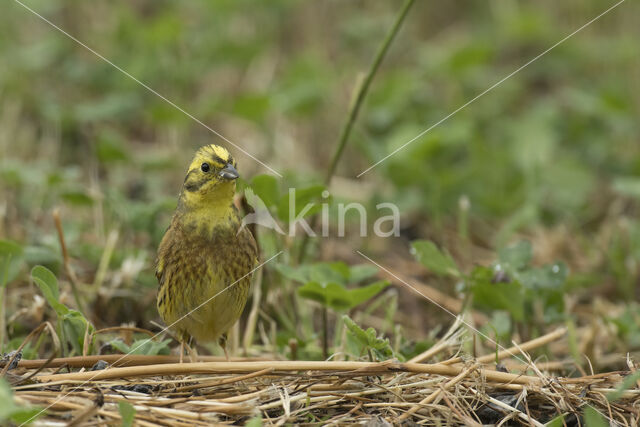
(223, 343)
(193, 353)
(181, 350)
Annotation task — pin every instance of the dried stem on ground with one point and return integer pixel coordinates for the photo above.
(212, 391)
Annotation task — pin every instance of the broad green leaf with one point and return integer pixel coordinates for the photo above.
(22, 416)
(152, 348)
(593, 418)
(252, 106)
(75, 325)
(266, 187)
(516, 257)
(11, 261)
(254, 422)
(362, 271)
(326, 272)
(556, 422)
(110, 148)
(496, 296)
(551, 276)
(298, 274)
(332, 295)
(501, 324)
(367, 339)
(143, 346)
(48, 285)
(43, 255)
(10, 411)
(356, 330)
(7, 406)
(76, 197)
(439, 262)
(127, 412)
(337, 296)
(627, 186)
(308, 199)
(365, 293)
(321, 272)
(500, 296)
(120, 345)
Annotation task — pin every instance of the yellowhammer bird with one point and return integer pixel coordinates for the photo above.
(205, 259)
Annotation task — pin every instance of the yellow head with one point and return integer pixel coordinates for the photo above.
(211, 180)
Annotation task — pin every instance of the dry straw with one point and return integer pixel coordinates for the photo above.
(457, 391)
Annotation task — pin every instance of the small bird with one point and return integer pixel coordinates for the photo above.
(205, 258)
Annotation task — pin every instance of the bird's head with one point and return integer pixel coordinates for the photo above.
(210, 180)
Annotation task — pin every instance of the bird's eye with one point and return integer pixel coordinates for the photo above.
(204, 167)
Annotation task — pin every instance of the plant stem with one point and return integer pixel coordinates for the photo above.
(362, 88)
(3, 283)
(66, 262)
(325, 333)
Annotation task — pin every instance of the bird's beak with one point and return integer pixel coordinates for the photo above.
(229, 173)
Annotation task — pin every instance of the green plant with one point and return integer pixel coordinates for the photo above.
(10, 412)
(532, 296)
(593, 417)
(144, 346)
(73, 328)
(360, 341)
(127, 412)
(11, 260)
(326, 284)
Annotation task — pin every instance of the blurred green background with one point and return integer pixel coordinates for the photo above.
(551, 155)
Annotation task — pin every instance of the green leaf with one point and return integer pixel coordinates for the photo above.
(358, 333)
(11, 261)
(75, 326)
(556, 422)
(22, 416)
(365, 293)
(628, 383)
(252, 106)
(266, 187)
(110, 148)
(501, 324)
(144, 346)
(9, 410)
(516, 257)
(127, 412)
(309, 197)
(321, 272)
(300, 274)
(326, 272)
(48, 285)
(496, 296)
(76, 197)
(627, 186)
(254, 422)
(360, 272)
(337, 296)
(333, 295)
(593, 418)
(439, 262)
(42, 255)
(548, 277)
(368, 339)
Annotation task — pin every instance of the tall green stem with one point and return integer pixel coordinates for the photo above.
(362, 89)
(360, 94)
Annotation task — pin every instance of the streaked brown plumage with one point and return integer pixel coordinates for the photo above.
(205, 259)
